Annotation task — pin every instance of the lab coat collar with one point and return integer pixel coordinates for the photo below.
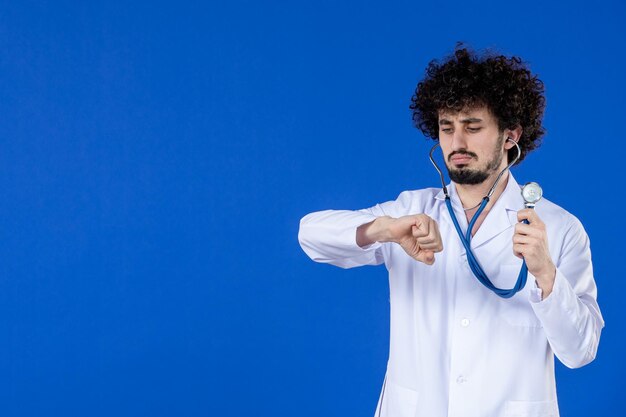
(502, 215)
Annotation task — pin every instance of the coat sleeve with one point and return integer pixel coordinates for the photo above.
(570, 314)
(329, 236)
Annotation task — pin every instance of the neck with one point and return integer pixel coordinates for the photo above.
(472, 195)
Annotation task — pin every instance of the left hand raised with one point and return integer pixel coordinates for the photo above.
(530, 242)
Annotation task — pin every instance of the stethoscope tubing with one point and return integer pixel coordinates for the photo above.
(466, 238)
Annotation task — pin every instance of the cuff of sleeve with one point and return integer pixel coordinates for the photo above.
(559, 303)
(373, 246)
(535, 293)
(357, 255)
(329, 236)
(348, 238)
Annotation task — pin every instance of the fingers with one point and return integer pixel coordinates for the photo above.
(525, 245)
(432, 241)
(533, 230)
(528, 236)
(419, 236)
(530, 215)
(426, 256)
(421, 228)
(527, 250)
(438, 240)
(530, 242)
(523, 239)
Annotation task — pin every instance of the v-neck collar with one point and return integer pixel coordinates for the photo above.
(501, 216)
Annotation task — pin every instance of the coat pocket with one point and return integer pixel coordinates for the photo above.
(531, 409)
(398, 401)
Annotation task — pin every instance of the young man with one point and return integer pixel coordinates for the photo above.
(456, 347)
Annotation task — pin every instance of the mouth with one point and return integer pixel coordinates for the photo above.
(461, 159)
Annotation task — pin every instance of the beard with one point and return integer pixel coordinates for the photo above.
(471, 176)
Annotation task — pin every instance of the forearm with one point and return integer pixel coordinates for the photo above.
(330, 237)
(372, 232)
(570, 313)
(572, 324)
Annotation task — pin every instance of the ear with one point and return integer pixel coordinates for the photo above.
(514, 134)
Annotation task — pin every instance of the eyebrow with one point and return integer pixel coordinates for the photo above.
(467, 120)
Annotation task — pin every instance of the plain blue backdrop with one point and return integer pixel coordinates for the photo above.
(156, 158)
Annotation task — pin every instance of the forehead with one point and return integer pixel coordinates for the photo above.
(467, 115)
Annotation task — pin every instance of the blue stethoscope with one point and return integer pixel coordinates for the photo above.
(531, 193)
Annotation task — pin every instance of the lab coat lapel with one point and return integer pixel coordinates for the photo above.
(502, 216)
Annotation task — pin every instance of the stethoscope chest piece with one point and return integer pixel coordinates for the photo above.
(531, 193)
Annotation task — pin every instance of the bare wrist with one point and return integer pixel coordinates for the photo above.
(548, 276)
(372, 232)
(545, 281)
(380, 229)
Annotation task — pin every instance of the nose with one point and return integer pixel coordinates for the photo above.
(459, 141)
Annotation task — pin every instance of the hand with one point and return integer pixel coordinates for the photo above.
(417, 234)
(530, 242)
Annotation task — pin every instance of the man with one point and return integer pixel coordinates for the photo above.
(456, 347)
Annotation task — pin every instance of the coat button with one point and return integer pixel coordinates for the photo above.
(465, 322)
(461, 380)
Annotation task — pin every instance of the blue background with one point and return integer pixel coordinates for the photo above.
(157, 157)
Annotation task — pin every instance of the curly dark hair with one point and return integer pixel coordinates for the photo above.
(466, 80)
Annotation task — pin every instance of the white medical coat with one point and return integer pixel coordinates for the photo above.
(456, 348)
